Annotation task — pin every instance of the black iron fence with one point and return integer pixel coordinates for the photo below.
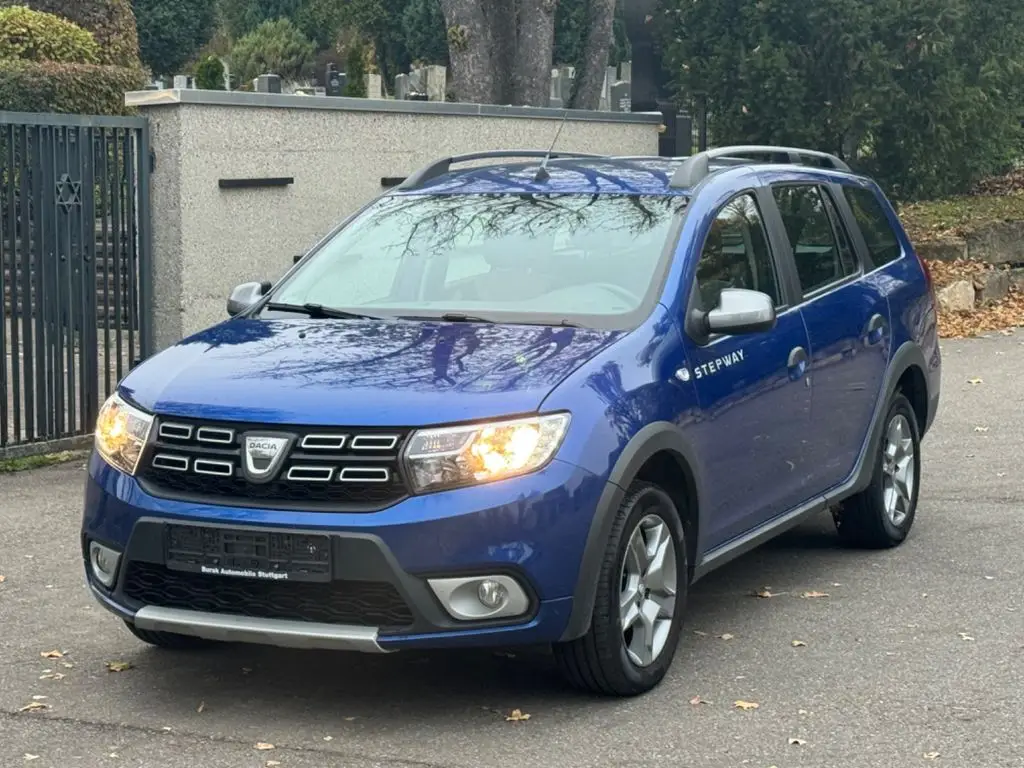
(75, 270)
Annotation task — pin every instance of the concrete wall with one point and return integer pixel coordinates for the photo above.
(207, 239)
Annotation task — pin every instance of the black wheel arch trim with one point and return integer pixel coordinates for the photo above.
(657, 437)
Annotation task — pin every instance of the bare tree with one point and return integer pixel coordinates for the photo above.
(471, 50)
(600, 31)
(535, 43)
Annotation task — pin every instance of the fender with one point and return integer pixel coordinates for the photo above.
(653, 438)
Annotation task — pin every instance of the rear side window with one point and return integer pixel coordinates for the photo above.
(820, 260)
(883, 244)
(736, 254)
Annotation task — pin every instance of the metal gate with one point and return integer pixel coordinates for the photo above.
(75, 270)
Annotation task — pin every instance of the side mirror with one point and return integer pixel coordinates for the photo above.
(741, 311)
(245, 295)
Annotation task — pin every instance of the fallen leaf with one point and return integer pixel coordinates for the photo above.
(981, 429)
(264, 746)
(746, 706)
(52, 654)
(765, 593)
(727, 636)
(516, 715)
(974, 381)
(930, 755)
(697, 701)
(797, 742)
(1000, 474)
(201, 707)
(67, 664)
(167, 728)
(118, 666)
(801, 712)
(38, 697)
(52, 676)
(965, 637)
(30, 756)
(814, 593)
(272, 763)
(113, 754)
(798, 644)
(348, 719)
(2, 578)
(989, 578)
(328, 738)
(701, 634)
(35, 706)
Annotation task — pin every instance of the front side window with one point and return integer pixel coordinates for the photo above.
(736, 254)
(883, 245)
(819, 258)
(589, 259)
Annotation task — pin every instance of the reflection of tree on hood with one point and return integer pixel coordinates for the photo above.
(447, 338)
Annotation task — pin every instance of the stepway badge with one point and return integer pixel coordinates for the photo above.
(714, 366)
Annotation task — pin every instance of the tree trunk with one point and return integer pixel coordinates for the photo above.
(535, 44)
(470, 47)
(503, 19)
(590, 78)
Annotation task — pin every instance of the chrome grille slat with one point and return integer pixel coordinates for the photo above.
(173, 463)
(364, 475)
(217, 435)
(317, 442)
(374, 442)
(171, 431)
(213, 467)
(310, 474)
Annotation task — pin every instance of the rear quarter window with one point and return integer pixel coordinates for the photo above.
(883, 244)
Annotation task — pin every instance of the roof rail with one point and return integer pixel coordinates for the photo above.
(696, 168)
(443, 166)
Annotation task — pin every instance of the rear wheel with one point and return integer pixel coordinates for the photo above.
(883, 513)
(169, 640)
(638, 609)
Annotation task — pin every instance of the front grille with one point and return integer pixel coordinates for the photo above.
(324, 469)
(362, 603)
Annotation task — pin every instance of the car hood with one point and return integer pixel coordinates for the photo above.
(360, 372)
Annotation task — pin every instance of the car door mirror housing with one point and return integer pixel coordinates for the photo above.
(741, 311)
(245, 295)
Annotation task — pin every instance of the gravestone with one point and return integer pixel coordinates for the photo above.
(374, 87)
(267, 84)
(335, 81)
(418, 81)
(556, 100)
(437, 85)
(402, 87)
(626, 72)
(621, 97)
(183, 82)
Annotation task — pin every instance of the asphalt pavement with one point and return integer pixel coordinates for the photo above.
(914, 656)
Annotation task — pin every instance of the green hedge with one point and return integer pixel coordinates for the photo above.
(39, 36)
(89, 89)
(111, 22)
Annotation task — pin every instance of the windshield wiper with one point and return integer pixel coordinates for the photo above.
(318, 311)
(451, 317)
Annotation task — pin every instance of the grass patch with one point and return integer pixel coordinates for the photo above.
(43, 460)
(958, 217)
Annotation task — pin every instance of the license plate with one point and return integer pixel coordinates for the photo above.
(242, 554)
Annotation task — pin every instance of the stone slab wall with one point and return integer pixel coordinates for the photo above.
(207, 239)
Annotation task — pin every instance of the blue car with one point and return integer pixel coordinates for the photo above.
(530, 400)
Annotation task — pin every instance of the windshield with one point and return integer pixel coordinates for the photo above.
(593, 260)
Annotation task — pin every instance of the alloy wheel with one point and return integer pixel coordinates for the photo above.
(649, 582)
(898, 469)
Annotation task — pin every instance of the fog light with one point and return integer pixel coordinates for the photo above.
(492, 594)
(473, 598)
(103, 561)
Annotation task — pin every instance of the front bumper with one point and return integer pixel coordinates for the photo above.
(532, 528)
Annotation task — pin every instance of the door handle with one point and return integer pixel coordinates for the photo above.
(876, 329)
(797, 363)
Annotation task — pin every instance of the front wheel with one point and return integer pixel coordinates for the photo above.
(640, 598)
(882, 514)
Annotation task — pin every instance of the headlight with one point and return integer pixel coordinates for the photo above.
(121, 434)
(455, 456)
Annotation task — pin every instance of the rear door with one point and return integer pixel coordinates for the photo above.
(753, 393)
(847, 320)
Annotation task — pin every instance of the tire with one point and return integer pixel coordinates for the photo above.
(608, 660)
(868, 519)
(169, 640)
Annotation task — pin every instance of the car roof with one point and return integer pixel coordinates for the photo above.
(495, 172)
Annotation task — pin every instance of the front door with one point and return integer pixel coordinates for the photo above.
(847, 319)
(752, 389)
